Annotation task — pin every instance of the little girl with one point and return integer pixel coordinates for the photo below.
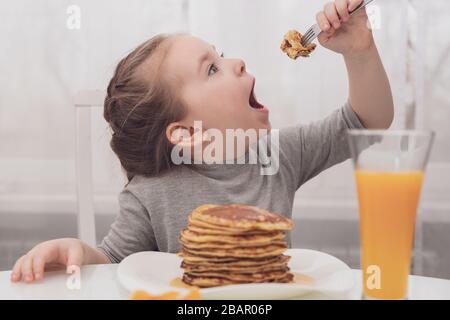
(170, 81)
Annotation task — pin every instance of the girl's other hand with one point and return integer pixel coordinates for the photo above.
(54, 254)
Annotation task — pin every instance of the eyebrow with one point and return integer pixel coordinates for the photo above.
(204, 57)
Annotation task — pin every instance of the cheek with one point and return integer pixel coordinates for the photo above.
(219, 105)
(223, 105)
(228, 95)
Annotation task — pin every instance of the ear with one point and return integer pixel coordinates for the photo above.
(183, 135)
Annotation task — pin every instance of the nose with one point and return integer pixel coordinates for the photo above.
(239, 67)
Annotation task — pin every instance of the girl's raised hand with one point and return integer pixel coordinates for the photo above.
(342, 33)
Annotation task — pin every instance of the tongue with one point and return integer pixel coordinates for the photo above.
(253, 103)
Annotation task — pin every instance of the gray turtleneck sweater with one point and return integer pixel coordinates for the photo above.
(153, 210)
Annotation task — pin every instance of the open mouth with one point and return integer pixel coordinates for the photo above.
(252, 100)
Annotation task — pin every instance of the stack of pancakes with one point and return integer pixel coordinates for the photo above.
(234, 244)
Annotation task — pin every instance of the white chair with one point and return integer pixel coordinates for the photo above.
(84, 101)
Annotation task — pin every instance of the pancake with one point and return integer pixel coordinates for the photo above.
(207, 282)
(226, 230)
(223, 268)
(196, 259)
(259, 239)
(191, 260)
(249, 252)
(219, 245)
(239, 217)
(249, 277)
(222, 231)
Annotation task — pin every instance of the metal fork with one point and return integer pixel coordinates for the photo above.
(315, 30)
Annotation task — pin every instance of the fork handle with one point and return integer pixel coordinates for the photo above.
(362, 5)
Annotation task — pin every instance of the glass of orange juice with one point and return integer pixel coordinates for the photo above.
(389, 171)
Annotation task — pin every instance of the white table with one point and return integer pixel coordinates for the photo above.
(100, 282)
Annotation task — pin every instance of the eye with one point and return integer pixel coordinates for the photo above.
(212, 69)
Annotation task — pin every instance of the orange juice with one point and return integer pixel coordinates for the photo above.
(387, 207)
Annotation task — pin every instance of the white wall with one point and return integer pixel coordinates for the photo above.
(43, 63)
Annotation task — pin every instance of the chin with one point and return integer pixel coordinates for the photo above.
(267, 126)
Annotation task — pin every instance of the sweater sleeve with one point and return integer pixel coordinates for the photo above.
(314, 147)
(131, 232)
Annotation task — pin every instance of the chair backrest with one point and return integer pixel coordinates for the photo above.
(84, 101)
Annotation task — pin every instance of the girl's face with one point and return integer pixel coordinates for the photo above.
(217, 91)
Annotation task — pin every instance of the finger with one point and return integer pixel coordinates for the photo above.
(38, 266)
(331, 14)
(54, 266)
(322, 21)
(326, 35)
(353, 4)
(27, 268)
(74, 256)
(16, 273)
(331, 32)
(342, 10)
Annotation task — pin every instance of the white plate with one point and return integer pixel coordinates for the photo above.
(153, 271)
